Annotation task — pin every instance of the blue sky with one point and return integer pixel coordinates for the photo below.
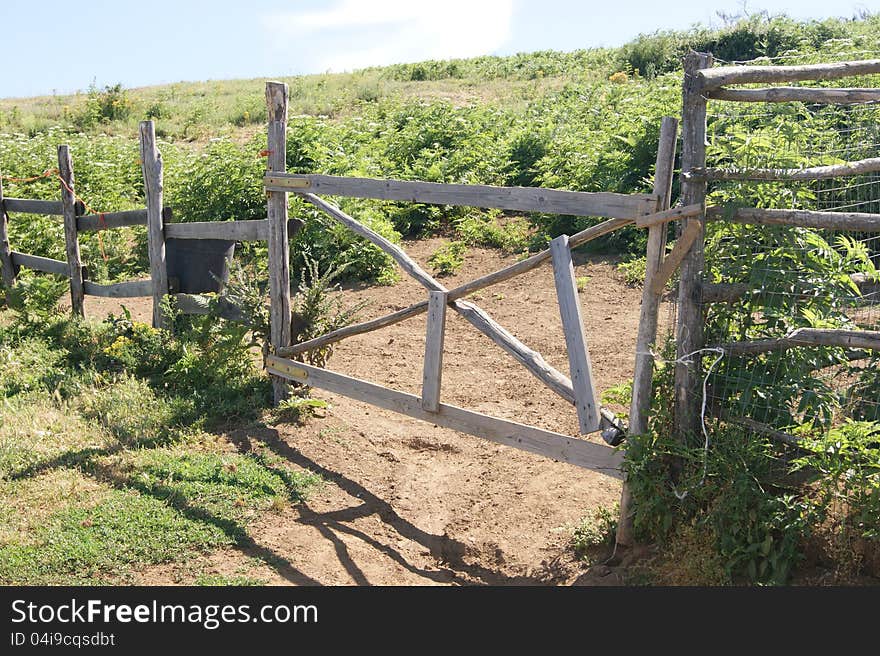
(62, 46)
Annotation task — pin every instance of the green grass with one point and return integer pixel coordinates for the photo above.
(105, 468)
(154, 506)
(224, 580)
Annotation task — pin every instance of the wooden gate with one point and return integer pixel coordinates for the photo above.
(619, 209)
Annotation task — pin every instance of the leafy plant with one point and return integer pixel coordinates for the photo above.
(448, 259)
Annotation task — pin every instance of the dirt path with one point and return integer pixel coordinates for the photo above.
(406, 502)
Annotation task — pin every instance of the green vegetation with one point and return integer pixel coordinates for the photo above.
(448, 259)
(107, 463)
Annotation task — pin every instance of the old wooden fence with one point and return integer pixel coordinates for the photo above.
(702, 83)
(157, 219)
(647, 210)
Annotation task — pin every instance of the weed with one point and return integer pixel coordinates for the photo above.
(448, 259)
(298, 409)
(595, 535)
(633, 271)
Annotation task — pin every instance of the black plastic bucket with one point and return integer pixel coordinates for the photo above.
(196, 266)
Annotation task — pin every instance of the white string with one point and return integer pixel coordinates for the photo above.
(686, 359)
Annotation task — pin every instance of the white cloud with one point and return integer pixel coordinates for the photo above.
(353, 34)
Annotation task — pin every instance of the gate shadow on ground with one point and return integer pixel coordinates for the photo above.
(448, 552)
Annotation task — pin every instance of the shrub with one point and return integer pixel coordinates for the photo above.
(317, 310)
(103, 106)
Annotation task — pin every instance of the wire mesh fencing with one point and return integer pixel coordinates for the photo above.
(768, 281)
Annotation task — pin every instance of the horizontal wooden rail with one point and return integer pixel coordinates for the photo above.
(871, 165)
(123, 219)
(127, 289)
(250, 230)
(546, 443)
(45, 207)
(523, 199)
(37, 263)
(712, 78)
(733, 291)
(854, 221)
(672, 214)
(724, 292)
(798, 94)
(110, 220)
(852, 339)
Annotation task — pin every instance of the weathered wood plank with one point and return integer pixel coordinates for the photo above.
(152, 164)
(557, 446)
(665, 216)
(724, 292)
(245, 230)
(279, 246)
(71, 238)
(28, 206)
(38, 263)
(712, 78)
(798, 94)
(354, 329)
(111, 220)
(580, 367)
(849, 221)
(852, 339)
(127, 289)
(523, 199)
(7, 269)
(689, 328)
(433, 368)
(643, 373)
(680, 250)
(536, 260)
(859, 167)
(231, 230)
(403, 260)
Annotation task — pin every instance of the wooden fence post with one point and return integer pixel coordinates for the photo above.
(647, 335)
(432, 373)
(71, 240)
(5, 250)
(689, 331)
(151, 160)
(279, 248)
